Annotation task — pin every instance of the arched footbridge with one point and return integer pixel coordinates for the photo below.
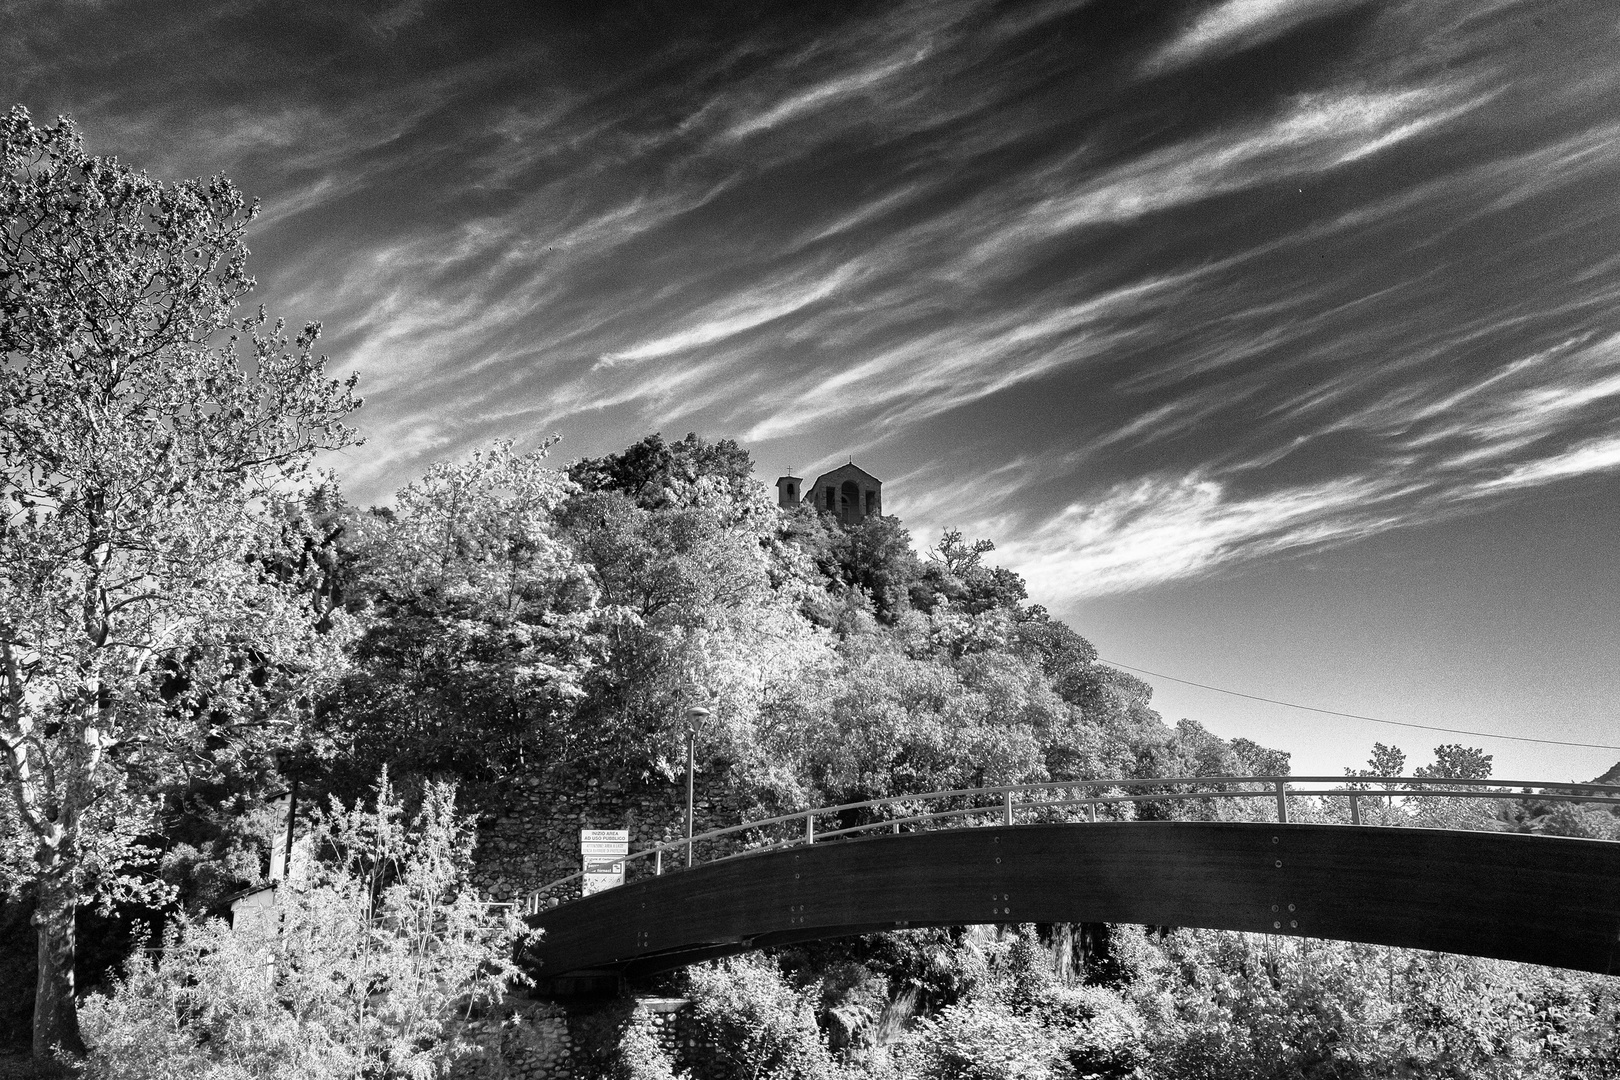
(1058, 853)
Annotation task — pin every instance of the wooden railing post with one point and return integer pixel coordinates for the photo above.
(1006, 809)
(1282, 801)
(1355, 809)
(810, 827)
(658, 861)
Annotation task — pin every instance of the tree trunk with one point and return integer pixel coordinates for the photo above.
(56, 1015)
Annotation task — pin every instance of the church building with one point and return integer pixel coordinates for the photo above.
(849, 493)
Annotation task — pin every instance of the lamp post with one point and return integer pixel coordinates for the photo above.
(694, 716)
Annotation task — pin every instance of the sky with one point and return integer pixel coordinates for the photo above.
(1275, 342)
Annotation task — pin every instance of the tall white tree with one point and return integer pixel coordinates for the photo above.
(142, 435)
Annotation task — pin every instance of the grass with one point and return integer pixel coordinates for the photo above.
(18, 1064)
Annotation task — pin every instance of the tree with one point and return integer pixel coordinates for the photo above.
(140, 637)
(376, 946)
(1454, 761)
(876, 556)
(482, 624)
(1252, 759)
(656, 474)
(956, 573)
(705, 600)
(1385, 761)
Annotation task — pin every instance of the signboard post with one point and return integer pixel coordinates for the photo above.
(603, 852)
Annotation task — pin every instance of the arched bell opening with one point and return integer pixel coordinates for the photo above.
(849, 503)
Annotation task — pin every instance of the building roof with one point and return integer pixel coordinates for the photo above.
(845, 472)
(251, 890)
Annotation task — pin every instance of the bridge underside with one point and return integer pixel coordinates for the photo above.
(1531, 898)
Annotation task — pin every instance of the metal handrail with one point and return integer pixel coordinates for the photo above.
(1281, 788)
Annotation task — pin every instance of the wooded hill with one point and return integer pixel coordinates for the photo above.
(508, 618)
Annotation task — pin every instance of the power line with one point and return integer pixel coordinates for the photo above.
(1358, 716)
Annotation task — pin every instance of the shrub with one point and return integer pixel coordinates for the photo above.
(759, 1025)
(374, 948)
(982, 1040)
(639, 1056)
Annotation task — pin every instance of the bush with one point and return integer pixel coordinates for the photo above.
(982, 1040)
(374, 948)
(639, 1056)
(759, 1025)
(1233, 1006)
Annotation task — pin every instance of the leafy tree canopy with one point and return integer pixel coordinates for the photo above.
(956, 574)
(656, 474)
(1457, 762)
(481, 623)
(143, 438)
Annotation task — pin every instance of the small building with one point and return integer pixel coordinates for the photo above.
(849, 493)
(254, 908)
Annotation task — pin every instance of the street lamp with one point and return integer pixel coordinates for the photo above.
(694, 716)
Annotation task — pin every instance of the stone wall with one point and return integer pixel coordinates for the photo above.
(538, 1040)
(671, 1024)
(522, 1040)
(531, 836)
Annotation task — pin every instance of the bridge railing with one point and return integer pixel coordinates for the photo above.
(1256, 798)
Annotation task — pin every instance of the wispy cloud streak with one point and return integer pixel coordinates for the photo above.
(738, 315)
(1235, 25)
(1146, 300)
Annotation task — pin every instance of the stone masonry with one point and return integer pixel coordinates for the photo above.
(540, 1040)
(532, 836)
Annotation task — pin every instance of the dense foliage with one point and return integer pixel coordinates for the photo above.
(374, 948)
(511, 620)
(146, 437)
(841, 666)
(568, 619)
(1024, 1003)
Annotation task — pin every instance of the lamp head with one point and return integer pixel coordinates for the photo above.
(696, 715)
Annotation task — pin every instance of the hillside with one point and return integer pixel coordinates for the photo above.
(537, 635)
(840, 664)
(577, 617)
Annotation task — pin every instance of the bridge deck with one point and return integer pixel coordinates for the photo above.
(1531, 898)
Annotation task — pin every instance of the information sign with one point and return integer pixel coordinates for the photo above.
(595, 883)
(603, 852)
